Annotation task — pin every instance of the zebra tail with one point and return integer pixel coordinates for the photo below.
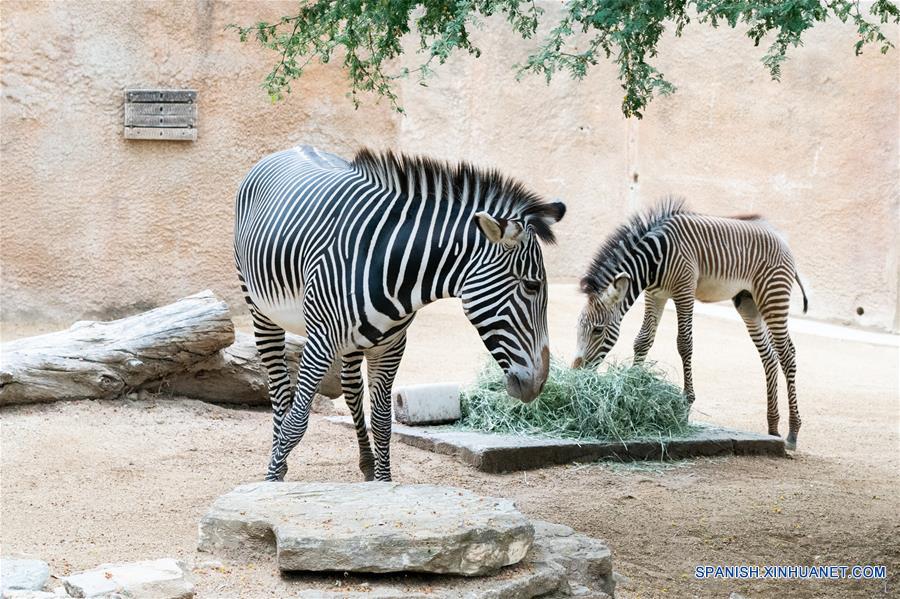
(802, 290)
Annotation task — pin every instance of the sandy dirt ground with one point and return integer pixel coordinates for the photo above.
(90, 482)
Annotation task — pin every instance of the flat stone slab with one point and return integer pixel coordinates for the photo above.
(367, 527)
(490, 452)
(23, 574)
(561, 563)
(153, 579)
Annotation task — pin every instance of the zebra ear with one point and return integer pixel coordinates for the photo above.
(542, 217)
(554, 213)
(499, 230)
(560, 210)
(617, 288)
(589, 285)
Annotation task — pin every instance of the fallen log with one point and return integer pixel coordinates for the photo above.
(236, 376)
(104, 360)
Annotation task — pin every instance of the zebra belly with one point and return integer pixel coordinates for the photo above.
(717, 290)
(288, 313)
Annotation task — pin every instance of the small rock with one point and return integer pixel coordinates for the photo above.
(368, 527)
(209, 564)
(322, 405)
(154, 579)
(622, 580)
(586, 560)
(23, 574)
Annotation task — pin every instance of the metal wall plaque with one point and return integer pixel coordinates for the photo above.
(165, 114)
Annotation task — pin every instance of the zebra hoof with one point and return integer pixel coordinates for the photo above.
(368, 470)
(791, 442)
(277, 476)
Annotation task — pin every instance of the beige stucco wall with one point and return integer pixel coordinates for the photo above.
(95, 225)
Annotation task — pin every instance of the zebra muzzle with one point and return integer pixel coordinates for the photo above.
(526, 385)
(525, 389)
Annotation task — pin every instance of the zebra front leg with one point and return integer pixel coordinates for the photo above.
(270, 346)
(315, 361)
(788, 358)
(762, 339)
(352, 385)
(684, 308)
(653, 307)
(382, 368)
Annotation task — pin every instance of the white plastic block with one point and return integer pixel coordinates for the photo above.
(436, 403)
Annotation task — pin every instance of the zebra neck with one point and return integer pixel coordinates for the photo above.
(644, 265)
(436, 248)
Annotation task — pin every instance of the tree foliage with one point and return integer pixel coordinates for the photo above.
(369, 34)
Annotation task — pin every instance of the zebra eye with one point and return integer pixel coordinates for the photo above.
(532, 287)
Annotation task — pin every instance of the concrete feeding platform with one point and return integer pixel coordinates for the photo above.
(491, 452)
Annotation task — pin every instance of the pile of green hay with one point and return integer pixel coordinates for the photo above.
(621, 403)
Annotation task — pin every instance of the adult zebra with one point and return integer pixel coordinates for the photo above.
(673, 253)
(347, 252)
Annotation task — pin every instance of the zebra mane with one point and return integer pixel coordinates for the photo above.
(399, 172)
(604, 266)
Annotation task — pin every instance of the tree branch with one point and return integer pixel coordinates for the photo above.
(370, 33)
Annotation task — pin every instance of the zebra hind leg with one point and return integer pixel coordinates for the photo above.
(270, 346)
(314, 364)
(684, 308)
(762, 339)
(352, 385)
(382, 368)
(787, 356)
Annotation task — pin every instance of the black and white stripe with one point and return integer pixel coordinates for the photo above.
(671, 253)
(347, 252)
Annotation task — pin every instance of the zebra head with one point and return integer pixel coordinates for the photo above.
(505, 295)
(598, 323)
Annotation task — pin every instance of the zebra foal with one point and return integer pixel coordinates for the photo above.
(671, 253)
(346, 252)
